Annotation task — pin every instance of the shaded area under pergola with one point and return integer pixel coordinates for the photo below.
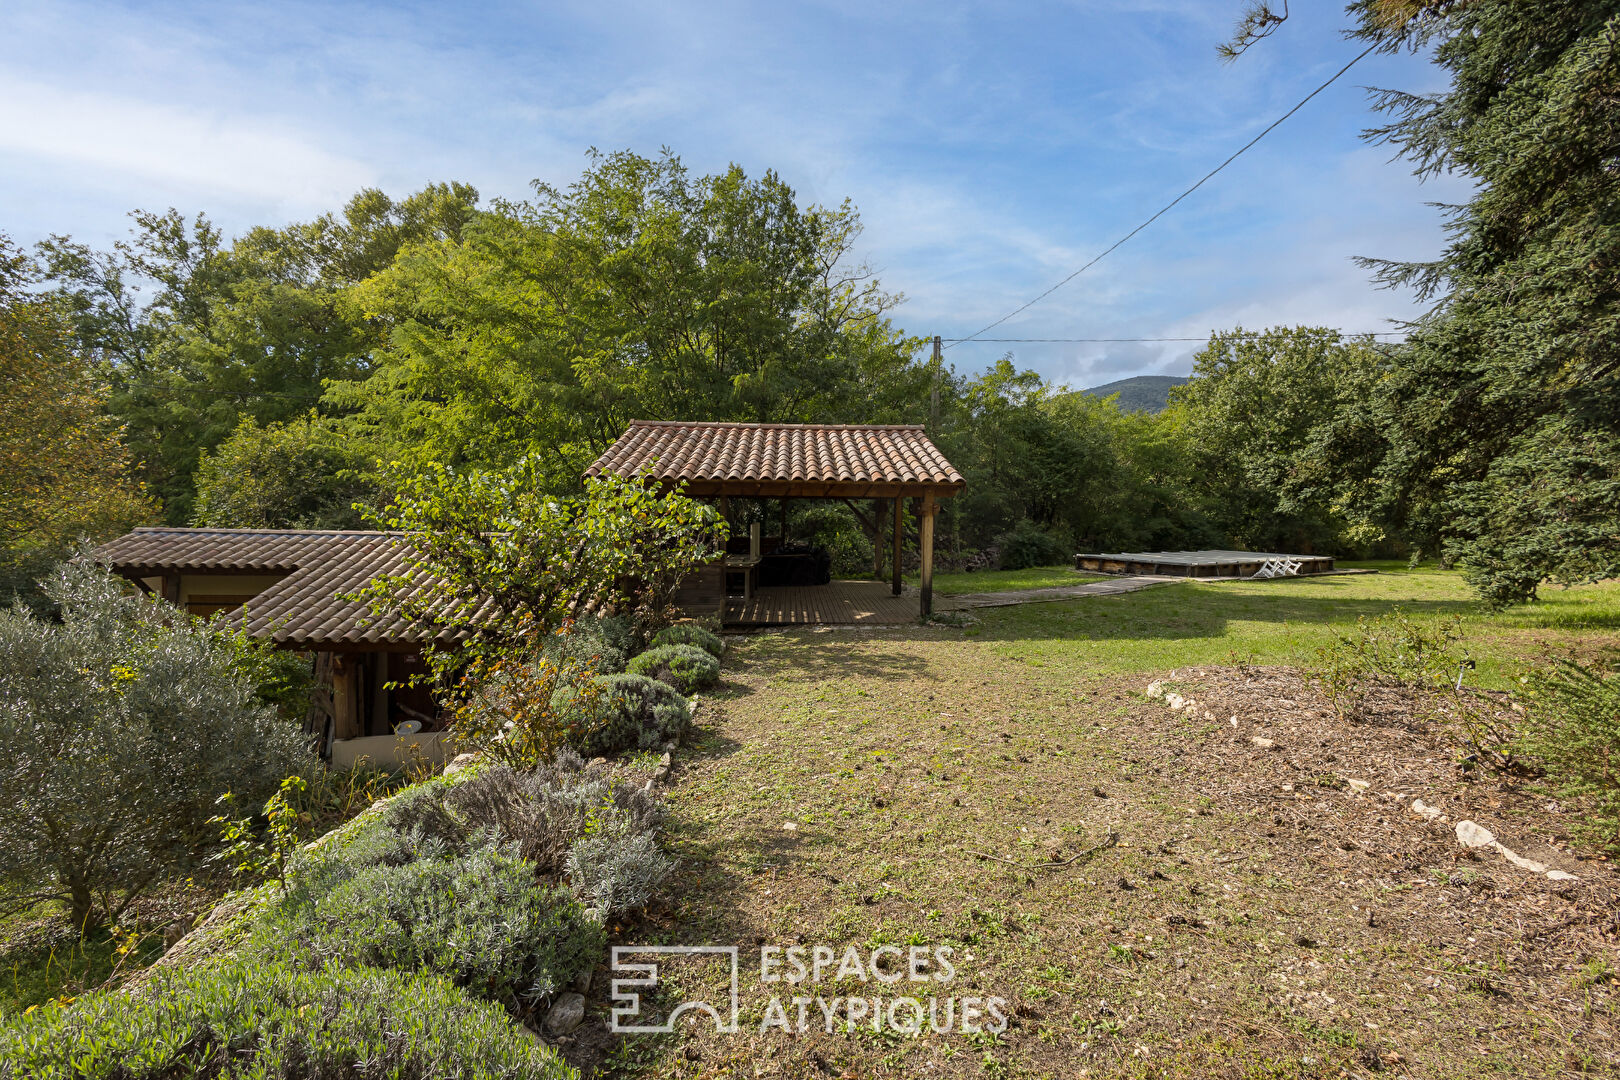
(721, 460)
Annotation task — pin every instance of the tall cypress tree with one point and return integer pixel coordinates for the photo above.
(1501, 416)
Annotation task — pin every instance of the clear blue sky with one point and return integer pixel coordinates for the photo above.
(991, 148)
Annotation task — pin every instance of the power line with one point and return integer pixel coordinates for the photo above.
(1167, 206)
(1104, 340)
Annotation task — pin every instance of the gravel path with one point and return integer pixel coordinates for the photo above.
(1111, 587)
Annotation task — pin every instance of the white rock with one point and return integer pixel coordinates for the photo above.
(1234, 720)
(1424, 810)
(1175, 701)
(1359, 786)
(1472, 835)
(1262, 743)
(790, 826)
(1155, 690)
(567, 1014)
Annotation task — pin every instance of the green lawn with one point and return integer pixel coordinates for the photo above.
(1287, 621)
(982, 581)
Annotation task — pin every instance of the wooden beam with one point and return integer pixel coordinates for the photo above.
(877, 539)
(345, 699)
(865, 522)
(898, 508)
(925, 545)
(725, 510)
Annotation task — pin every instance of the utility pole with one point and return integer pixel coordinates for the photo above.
(933, 394)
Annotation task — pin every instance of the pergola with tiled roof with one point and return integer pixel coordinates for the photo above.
(816, 461)
(853, 461)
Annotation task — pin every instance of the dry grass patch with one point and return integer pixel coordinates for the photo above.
(1258, 915)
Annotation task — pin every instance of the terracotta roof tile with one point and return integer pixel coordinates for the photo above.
(722, 458)
(304, 607)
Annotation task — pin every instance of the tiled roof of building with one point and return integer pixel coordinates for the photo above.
(782, 459)
(305, 607)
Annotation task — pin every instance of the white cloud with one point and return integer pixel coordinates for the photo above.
(123, 139)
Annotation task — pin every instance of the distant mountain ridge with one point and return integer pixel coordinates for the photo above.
(1143, 393)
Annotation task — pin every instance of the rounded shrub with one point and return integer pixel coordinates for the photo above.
(478, 918)
(633, 712)
(690, 634)
(605, 642)
(685, 667)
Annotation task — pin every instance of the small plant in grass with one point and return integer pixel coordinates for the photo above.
(685, 667)
(690, 634)
(1573, 729)
(1397, 650)
(246, 852)
(1389, 650)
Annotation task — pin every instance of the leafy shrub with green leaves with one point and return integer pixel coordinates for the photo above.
(1573, 729)
(1026, 544)
(603, 643)
(685, 667)
(690, 634)
(244, 1016)
(1393, 649)
(477, 916)
(1396, 650)
(125, 720)
(523, 711)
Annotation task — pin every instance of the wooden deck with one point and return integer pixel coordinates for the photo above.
(842, 603)
(1204, 564)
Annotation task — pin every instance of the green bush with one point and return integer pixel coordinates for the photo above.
(690, 634)
(1389, 650)
(1026, 544)
(128, 720)
(685, 667)
(544, 813)
(1395, 650)
(604, 643)
(243, 1017)
(1573, 729)
(630, 712)
(477, 917)
(566, 819)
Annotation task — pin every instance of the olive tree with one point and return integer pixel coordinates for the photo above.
(125, 720)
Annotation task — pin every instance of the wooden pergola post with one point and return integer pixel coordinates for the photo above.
(899, 518)
(925, 548)
(345, 699)
(877, 539)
